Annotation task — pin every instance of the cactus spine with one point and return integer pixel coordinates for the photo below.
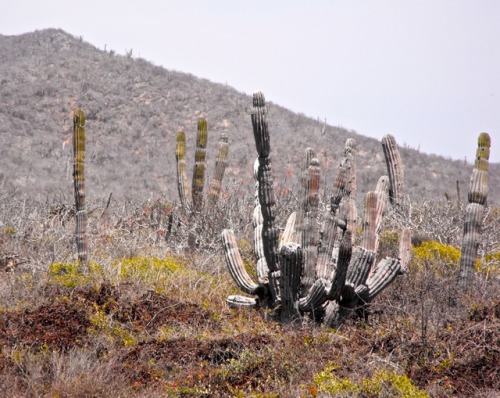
(478, 192)
(312, 269)
(79, 184)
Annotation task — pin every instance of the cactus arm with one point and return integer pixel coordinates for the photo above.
(382, 276)
(236, 301)
(342, 263)
(303, 195)
(394, 168)
(386, 270)
(79, 185)
(220, 168)
(345, 182)
(341, 214)
(478, 192)
(235, 264)
(180, 157)
(405, 249)
(265, 182)
(316, 297)
(375, 204)
(290, 273)
(309, 232)
(262, 268)
(258, 226)
(289, 233)
(199, 166)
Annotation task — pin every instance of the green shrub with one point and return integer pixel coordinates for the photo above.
(382, 384)
(143, 267)
(70, 275)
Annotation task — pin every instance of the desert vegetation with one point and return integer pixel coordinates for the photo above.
(135, 109)
(104, 294)
(148, 318)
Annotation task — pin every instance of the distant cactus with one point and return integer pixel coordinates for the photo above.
(199, 166)
(79, 184)
(180, 156)
(314, 268)
(478, 192)
(394, 169)
(220, 168)
(196, 205)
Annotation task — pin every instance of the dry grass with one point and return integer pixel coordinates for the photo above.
(150, 319)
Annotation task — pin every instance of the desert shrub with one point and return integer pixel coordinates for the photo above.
(70, 274)
(143, 267)
(151, 330)
(383, 384)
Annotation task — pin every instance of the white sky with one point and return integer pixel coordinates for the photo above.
(427, 71)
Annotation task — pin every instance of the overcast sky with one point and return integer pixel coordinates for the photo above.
(426, 71)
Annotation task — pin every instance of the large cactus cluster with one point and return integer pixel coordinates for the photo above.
(195, 206)
(316, 271)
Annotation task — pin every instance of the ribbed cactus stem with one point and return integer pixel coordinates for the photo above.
(258, 226)
(289, 233)
(220, 168)
(310, 224)
(345, 182)
(349, 163)
(303, 196)
(387, 270)
(264, 180)
(235, 263)
(198, 181)
(290, 273)
(394, 168)
(478, 192)
(383, 274)
(372, 219)
(180, 157)
(345, 186)
(79, 184)
(199, 166)
(405, 249)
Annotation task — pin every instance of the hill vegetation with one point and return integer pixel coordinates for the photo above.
(134, 111)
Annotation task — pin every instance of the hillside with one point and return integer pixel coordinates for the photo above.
(134, 110)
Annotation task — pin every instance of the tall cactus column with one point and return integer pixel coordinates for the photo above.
(264, 182)
(478, 192)
(180, 156)
(79, 183)
(198, 181)
(220, 168)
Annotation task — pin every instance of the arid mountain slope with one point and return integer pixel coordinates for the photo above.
(134, 110)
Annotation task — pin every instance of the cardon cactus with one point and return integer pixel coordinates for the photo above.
(478, 192)
(314, 270)
(180, 157)
(198, 181)
(79, 184)
(199, 165)
(195, 206)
